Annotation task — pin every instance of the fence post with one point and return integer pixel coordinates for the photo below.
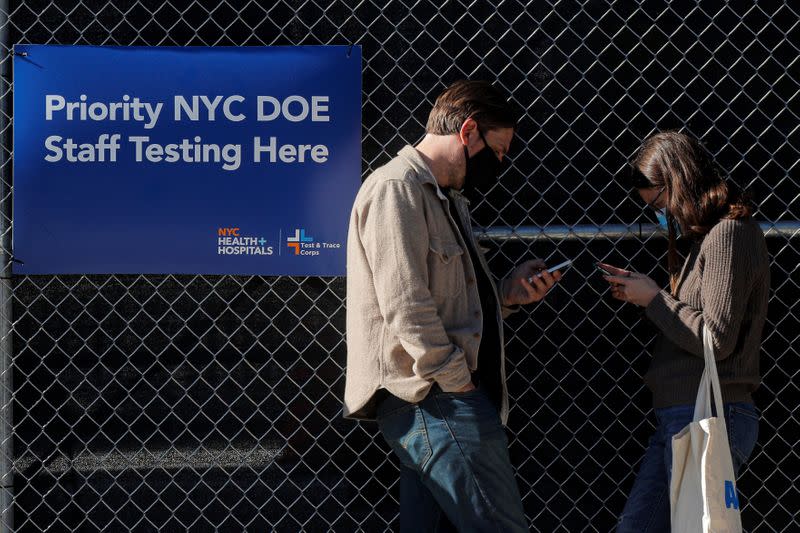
(6, 375)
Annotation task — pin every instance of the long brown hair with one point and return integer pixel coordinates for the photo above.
(698, 195)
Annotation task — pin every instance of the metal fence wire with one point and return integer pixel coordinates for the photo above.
(167, 403)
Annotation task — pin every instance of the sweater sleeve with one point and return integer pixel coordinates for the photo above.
(394, 234)
(729, 265)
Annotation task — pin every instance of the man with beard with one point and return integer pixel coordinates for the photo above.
(424, 318)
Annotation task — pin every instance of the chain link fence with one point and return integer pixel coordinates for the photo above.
(167, 403)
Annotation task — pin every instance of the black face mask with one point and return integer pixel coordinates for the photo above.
(482, 168)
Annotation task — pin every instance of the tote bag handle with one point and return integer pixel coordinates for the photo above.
(709, 384)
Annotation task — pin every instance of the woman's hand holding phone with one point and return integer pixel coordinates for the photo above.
(610, 270)
(629, 286)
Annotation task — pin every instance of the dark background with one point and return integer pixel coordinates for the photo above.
(165, 403)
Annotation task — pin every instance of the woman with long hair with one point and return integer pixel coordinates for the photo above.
(723, 284)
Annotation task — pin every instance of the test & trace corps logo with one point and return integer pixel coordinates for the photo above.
(303, 244)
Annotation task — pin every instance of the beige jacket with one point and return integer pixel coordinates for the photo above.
(413, 310)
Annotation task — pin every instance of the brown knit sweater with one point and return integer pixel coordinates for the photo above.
(724, 284)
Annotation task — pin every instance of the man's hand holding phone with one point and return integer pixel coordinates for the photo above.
(528, 283)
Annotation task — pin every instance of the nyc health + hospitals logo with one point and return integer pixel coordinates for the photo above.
(304, 244)
(232, 241)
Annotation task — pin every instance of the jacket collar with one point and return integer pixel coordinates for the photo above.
(423, 172)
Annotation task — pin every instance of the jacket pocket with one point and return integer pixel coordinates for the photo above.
(445, 268)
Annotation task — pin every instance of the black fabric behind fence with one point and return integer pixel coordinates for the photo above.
(165, 403)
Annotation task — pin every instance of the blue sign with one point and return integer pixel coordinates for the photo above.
(185, 160)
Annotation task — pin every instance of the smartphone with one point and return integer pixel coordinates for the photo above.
(565, 264)
(609, 273)
(603, 270)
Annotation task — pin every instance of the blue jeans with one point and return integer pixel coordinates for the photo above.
(455, 472)
(647, 509)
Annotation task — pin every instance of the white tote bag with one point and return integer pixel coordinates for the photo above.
(702, 494)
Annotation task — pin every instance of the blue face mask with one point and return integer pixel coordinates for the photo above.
(661, 215)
